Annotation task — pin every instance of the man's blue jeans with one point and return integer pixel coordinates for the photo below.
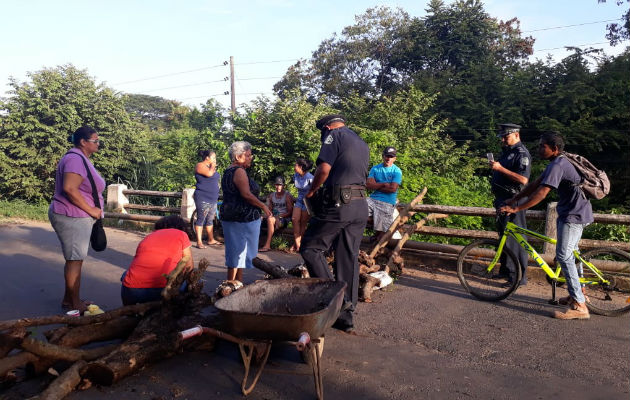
(569, 235)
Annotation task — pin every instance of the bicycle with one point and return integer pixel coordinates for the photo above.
(605, 279)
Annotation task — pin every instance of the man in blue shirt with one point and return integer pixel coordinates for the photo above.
(574, 213)
(384, 180)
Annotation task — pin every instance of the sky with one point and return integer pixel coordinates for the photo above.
(177, 49)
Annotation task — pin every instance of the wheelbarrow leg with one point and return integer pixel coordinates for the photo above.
(247, 351)
(315, 349)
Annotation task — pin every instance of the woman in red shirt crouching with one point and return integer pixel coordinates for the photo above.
(157, 254)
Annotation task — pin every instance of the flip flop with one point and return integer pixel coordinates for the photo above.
(200, 247)
(263, 249)
(215, 243)
(68, 307)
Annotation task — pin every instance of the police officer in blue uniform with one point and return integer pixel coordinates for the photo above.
(509, 175)
(340, 210)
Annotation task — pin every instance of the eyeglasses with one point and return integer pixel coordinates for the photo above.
(96, 141)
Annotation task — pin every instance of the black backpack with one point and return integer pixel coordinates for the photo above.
(595, 183)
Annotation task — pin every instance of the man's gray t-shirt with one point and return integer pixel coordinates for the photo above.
(573, 206)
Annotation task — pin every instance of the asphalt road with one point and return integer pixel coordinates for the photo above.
(422, 338)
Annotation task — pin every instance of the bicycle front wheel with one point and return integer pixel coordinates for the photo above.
(610, 299)
(472, 270)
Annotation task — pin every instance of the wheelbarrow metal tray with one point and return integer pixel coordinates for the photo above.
(281, 309)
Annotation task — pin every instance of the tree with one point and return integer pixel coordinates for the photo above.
(154, 111)
(279, 132)
(211, 116)
(39, 115)
(617, 33)
(356, 61)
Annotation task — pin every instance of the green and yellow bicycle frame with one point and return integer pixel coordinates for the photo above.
(516, 232)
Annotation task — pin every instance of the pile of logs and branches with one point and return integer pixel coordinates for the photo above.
(380, 257)
(121, 341)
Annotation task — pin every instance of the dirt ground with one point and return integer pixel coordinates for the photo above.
(422, 338)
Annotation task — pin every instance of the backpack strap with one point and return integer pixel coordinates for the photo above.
(97, 202)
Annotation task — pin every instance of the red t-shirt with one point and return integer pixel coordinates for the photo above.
(157, 254)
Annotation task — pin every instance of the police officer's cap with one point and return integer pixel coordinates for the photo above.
(328, 119)
(506, 129)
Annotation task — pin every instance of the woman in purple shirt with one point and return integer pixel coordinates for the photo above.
(72, 211)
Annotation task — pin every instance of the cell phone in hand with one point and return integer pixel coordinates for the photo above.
(490, 157)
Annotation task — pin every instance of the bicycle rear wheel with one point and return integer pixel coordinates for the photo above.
(472, 270)
(608, 299)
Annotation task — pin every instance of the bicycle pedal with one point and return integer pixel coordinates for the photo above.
(554, 302)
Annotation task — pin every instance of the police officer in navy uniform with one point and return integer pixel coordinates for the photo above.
(340, 209)
(509, 174)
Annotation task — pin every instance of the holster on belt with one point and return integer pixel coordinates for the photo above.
(350, 192)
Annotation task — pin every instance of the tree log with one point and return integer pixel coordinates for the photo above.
(54, 335)
(366, 287)
(299, 271)
(63, 353)
(410, 229)
(276, 271)
(11, 340)
(403, 217)
(64, 384)
(153, 339)
(9, 363)
(65, 319)
(195, 283)
(175, 279)
(227, 287)
(76, 337)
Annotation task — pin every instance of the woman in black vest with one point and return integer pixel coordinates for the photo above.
(240, 211)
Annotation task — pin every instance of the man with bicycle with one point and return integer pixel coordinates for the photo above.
(509, 175)
(574, 213)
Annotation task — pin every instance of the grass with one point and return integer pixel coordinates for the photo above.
(18, 209)
(280, 243)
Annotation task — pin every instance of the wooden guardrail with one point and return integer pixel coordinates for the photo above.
(549, 216)
(118, 204)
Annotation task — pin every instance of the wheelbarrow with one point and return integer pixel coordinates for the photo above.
(289, 310)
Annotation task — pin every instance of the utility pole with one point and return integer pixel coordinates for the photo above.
(232, 95)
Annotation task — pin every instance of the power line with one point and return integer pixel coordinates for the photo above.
(267, 62)
(188, 85)
(172, 74)
(254, 79)
(578, 45)
(569, 26)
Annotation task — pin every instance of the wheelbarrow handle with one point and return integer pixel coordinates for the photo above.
(303, 341)
(191, 332)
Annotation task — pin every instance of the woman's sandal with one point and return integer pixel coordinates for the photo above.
(68, 306)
